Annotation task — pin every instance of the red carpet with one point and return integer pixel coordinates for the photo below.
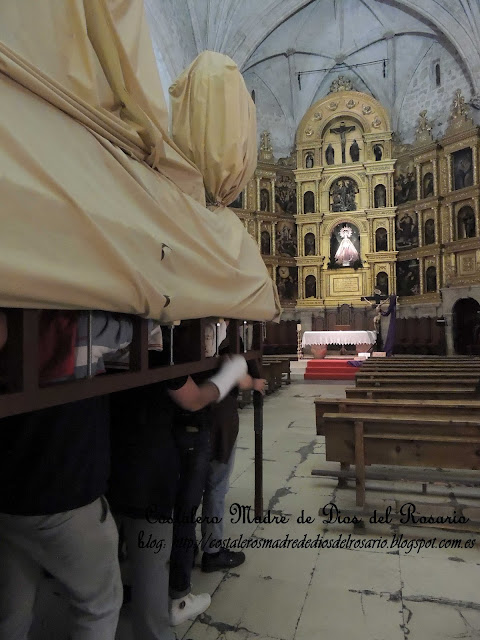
(330, 369)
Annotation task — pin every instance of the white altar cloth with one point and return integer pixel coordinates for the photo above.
(338, 337)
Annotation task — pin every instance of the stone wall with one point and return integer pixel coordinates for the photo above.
(270, 114)
(422, 93)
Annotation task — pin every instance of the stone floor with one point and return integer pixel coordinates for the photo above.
(330, 593)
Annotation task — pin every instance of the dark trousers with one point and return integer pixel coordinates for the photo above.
(193, 445)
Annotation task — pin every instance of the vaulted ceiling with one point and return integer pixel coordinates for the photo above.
(272, 41)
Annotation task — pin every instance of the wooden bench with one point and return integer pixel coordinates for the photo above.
(406, 440)
(447, 392)
(285, 362)
(390, 406)
(272, 372)
(401, 380)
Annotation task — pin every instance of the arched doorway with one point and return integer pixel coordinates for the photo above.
(466, 325)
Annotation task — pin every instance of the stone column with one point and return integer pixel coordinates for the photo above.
(435, 177)
(300, 283)
(258, 194)
(477, 215)
(273, 240)
(439, 274)
(421, 267)
(317, 196)
(419, 182)
(449, 173)
(370, 194)
(449, 333)
(475, 168)
(272, 182)
(420, 219)
(451, 229)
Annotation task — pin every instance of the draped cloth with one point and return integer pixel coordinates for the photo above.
(391, 311)
(223, 147)
(100, 208)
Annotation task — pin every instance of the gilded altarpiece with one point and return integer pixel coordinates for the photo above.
(269, 204)
(346, 215)
(352, 210)
(437, 195)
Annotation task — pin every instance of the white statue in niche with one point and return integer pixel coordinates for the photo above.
(346, 252)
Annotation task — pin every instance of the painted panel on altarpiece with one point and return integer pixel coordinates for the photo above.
(286, 239)
(287, 283)
(408, 278)
(406, 230)
(285, 195)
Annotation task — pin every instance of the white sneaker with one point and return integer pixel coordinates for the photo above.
(188, 607)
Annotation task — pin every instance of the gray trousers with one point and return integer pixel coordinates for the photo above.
(149, 547)
(79, 548)
(216, 489)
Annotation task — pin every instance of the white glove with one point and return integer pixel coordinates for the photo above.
(229, 374)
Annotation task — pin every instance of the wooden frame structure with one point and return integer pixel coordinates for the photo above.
(21, 391)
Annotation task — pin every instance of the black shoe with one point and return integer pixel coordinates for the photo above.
(224, 559)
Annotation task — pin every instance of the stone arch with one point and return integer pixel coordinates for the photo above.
(309, 202)
(466, 224)
(310, 287)
(362, 225)
(382, 283)
(431, 279)
(309, 244)
(381, 239)
(380, 196)
(466, 323)
(366, 111)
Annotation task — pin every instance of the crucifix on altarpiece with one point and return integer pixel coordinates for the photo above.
(342, 130)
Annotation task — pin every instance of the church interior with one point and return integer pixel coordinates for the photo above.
(256, 225)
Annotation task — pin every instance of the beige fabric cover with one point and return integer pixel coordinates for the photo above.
(99, 208)
(223, 147)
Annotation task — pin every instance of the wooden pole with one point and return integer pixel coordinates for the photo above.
(258, 430)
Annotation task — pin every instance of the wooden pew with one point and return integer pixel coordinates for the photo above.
(448, 392)
(389, 406)
(405, 440)
(414, 378)
(272, 372)
(285, 360)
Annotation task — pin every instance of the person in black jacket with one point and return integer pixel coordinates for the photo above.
(54, 465)
(145, 480)
(223, 435)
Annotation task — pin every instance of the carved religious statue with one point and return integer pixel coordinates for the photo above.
(343, 195)
(342, 131)
(423, 132)
(378, 152)
(354, 151)
(423, 122)
(330, 154)
(266, 150)
(341, 84)
(459, 114)
(346, 252)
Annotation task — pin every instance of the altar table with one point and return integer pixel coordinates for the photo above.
(362, 339)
